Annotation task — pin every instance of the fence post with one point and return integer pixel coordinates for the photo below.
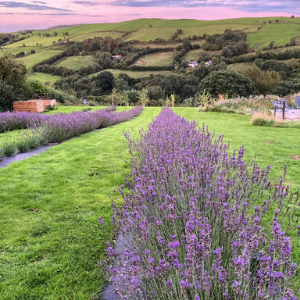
(283, 110)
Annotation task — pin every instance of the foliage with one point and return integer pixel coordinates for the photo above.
(265, 81)
(182, 246)
(288, 87)
(12, 81)
(227, 82)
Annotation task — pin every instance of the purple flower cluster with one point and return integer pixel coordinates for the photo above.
(21, 120)
(60, 127)
(199, 221)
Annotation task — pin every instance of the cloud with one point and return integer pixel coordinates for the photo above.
(10, 4)
(51, 14)
(39, 2)
(288, 6)
(87, 3)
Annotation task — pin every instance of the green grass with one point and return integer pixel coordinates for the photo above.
(75, 62)
(216, 29)
(193, 54)
(112, 34)
(32, 59)
(53, 253)
(43, 77)
(281, 33)
(17, 50)
(133, 74)
(150, 34)
(156, 59)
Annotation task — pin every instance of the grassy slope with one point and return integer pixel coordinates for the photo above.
(133, 74)
(156, 59)
(76, 62)
(281, 33)
(53, 253)
(43, 77)
(33, 59)
(91, 35)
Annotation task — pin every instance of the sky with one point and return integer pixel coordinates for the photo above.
(41, 14)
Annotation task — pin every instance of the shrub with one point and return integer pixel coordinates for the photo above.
(227, 82)
(198, 222)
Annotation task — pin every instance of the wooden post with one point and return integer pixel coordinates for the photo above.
(283, 110)
(275, 112)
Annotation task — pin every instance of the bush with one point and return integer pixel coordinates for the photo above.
(227, 82)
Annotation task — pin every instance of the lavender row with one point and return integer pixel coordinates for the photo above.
(22, 120)
(199, 222)
(60, 127)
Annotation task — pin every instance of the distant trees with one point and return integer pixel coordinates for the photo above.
(227, 82)
(265, 81)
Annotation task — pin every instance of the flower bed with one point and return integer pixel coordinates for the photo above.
(202, 224)
(60, 127)
(22, 120)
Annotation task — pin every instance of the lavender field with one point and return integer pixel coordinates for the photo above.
(199, 219)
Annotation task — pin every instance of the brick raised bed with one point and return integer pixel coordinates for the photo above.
(34, 106)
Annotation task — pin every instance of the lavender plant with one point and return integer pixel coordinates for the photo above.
(22, 120)
(200, 223)
(60, 127)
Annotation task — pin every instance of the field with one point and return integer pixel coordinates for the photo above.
(43, 77)
(53, 253)
(150, 34)
(133, 74)
(193, 54)
(17, 50)
(280, 33)
(75, 62)
(157, 59)
(150, 29)
(32, 59)
(113, 34)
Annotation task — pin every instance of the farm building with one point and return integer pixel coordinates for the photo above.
(193, 63)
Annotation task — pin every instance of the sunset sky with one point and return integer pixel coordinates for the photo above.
(41, 14)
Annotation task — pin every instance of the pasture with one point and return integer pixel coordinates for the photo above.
(75, 62)
(51, 239)
(32, 59)
(133, 74)
(156, 59)
(44, 77)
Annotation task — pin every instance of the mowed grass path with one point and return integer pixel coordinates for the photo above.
(53, 253)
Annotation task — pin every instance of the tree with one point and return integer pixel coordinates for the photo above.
(265, 81)
(55, 33)
(12, 81)
(121, 85)
(104, 59)
(105, 81)
(288, 87)
(144, 97)
(186, 44)
(227, 82)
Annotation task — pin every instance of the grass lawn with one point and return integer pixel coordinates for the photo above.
(157, 59)
(53, 253)
(32, 59)
(75, 62)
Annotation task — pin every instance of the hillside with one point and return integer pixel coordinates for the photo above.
(157, 34)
